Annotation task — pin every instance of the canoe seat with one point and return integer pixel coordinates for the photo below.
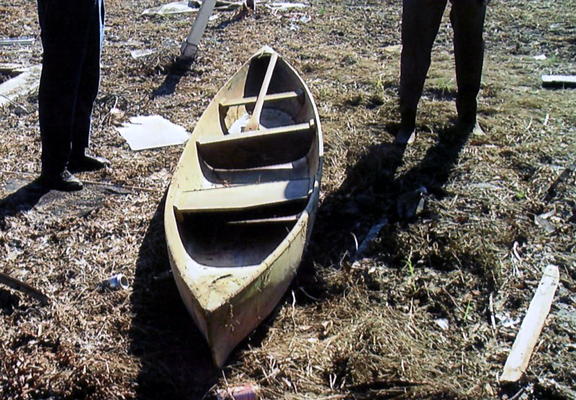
(253, 149)
(242, 197)
(270, 97)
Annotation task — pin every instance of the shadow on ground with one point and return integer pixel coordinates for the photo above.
(21, 200)
(176, 71)
(372, 194)
(175, 360)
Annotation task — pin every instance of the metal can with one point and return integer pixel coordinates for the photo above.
(118, 281)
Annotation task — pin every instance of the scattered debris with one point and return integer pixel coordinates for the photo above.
(543, 222)
(370, 236)
(375, 332)
(167, 44)
(557, 390)
(116, 116)
(394, 49)
(559, 81)
(19, 41)
(136, 54)
(284, 6)
(24, 288)
(191, 6)
(540, 57)
(177, 7)
(162, 176)
(116, 282)
(21, 85)
(569, 172)
(12, 68)
(246, 392)
(442, 323)
(531, 327)
(506, 321)
(515, 247)
(149, 132)
(299, 19)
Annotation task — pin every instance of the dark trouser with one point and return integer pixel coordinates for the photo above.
(72, 33)
(420, 23)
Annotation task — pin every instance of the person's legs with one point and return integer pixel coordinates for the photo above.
(88, 90)
(63, 31)
(467, 17)
(89, 79)
(65, 28)
(420, 23)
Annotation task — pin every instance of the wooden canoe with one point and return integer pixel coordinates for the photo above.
(241, 204)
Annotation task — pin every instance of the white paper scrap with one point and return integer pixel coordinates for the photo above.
(284, 6)
(153, 131)
(136, 54)
(177, 7)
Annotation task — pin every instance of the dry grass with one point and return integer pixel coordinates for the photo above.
(373, 328)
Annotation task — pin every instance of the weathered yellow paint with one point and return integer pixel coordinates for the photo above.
(229, 288)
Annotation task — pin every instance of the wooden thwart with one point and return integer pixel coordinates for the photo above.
(238, 138)
(270, 97)
(242, 197)
(532, 325)
(259, 148)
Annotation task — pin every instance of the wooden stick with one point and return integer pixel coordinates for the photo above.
(190, 45)
(532, 325)
(254, 121)
(23, 287)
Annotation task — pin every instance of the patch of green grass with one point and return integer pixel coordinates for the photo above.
(409, 266)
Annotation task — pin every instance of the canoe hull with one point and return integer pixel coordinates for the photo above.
(228, 295)
(227, 326)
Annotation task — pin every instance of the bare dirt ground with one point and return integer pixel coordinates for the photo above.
(428, 310)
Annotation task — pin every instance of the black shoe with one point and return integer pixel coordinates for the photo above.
(405, 136)
(87, 163)
(64, 182)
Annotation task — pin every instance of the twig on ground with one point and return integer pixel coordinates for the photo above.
(23, 287)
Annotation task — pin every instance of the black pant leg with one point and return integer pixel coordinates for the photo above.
(420, 23)
(89, 79)
(467, 17)
(64, 30)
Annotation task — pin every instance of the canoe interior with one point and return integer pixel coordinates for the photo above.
(234, 165)
(236, 239)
